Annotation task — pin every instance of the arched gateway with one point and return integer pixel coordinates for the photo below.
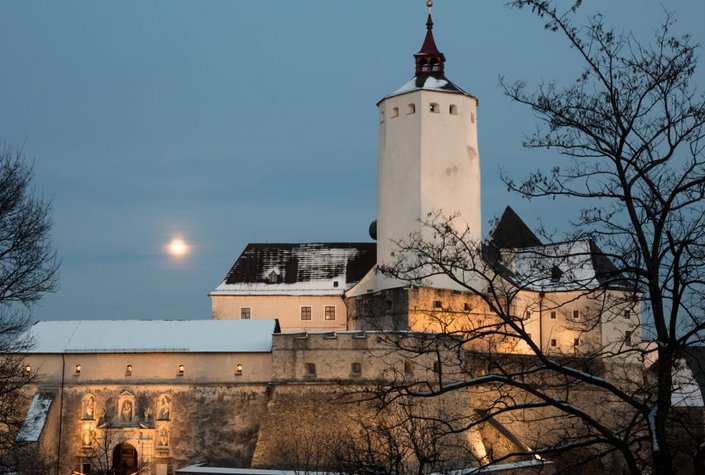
(124, 459)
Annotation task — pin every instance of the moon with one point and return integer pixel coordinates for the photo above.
(178, 248)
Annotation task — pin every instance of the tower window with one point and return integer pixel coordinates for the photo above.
(330, 312)
(245, 313)
(305, 313)
(411, 109)
(553, 315)
(472, 117)
(394, 113)
(435, 108)
(381, 116)
(453, 109)
(628, 338)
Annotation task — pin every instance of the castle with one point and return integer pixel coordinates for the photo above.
(294, 323)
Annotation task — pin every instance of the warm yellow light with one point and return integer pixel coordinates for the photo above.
(178, 248)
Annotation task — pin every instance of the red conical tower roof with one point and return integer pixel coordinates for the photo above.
(429, 60)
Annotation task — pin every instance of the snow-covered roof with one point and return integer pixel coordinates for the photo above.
(553, 267)
(153, 336)
(436, 82)
(36, 417)
(298, 269)
(516, 252)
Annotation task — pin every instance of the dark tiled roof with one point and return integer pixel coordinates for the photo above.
(606, 272)
(303, 262)
(512, 233)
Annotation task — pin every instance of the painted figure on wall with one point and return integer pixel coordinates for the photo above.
(87, 436)
(163, 440)
(88, 412)
(126, 411)
(164, 408)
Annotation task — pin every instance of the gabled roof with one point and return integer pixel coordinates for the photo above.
(153, 336)
(298, 269)
(512, 232)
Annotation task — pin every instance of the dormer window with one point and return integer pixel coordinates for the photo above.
(273, 277)
(556, 274)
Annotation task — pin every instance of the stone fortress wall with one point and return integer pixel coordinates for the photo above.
(284, 413)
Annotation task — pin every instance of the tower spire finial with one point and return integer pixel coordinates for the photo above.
(429, 60)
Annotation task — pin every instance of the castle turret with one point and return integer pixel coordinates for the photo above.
(428, 156)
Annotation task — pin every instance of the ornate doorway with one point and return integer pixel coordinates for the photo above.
(124, 459)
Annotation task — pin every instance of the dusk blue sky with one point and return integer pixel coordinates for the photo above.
(229, 122)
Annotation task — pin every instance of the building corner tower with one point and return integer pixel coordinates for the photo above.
(428, 161)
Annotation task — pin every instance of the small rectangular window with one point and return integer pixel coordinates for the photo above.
(305, 313)
(453, 109)
(310, 369)
(434, 107)
(628, 338)
(395, 112)
(330, 312)
(466, 307)
(437, 304)
(627, 314)
(554, 342)
(356, 369)
(411, 109)
(576, 342)
(576, 314)
(553, 315)
(245, 313)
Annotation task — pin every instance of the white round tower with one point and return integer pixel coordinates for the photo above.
(428, 158)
